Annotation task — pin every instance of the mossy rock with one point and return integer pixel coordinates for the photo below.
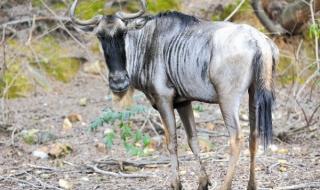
(62, 69)
(155, 6)
(54, 60)
(47, 56)
(14, 82)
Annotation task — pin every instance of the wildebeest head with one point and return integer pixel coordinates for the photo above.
(110, 30)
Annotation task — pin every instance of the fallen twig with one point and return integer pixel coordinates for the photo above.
(21, 181)
(157, 161)
(120, 174)
(211, 133)
(300, 186)
(44, 184)
(42, 167)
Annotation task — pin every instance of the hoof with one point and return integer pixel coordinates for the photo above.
(176, 185)
(252, 186)
(224, 187)
(204, 183)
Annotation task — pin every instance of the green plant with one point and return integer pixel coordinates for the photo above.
(314, 31)
(109, 116)
(198, 108)
(135, 142)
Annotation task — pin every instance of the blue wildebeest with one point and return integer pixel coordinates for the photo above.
(175, 59)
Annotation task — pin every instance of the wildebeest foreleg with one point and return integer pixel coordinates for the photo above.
(229, 108)
(166, 111)
(187, 118)
(253, 144)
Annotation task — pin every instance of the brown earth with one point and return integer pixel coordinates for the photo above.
(296, 161)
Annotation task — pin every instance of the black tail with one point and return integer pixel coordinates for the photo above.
(263, 97)
(264, 100)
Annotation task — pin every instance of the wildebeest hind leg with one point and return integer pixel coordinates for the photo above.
(229, 106)
(253, 140)
(187, 118)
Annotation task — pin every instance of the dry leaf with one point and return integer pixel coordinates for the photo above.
(83, 102)
(59, 150)
(205, 145)
(67, 124)
(282, 151)
(282, 169)
(101, 147)
(282, 162)
(148, 150)
(131, 169)
(156, 142)
(210, 126)
(65, 184)
(74, 118)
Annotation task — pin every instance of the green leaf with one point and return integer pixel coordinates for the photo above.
(198, 108)
(109, 138)
(146, 140)
(126, 131)
(138, 136)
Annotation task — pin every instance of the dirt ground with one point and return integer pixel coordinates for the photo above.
(296, 161)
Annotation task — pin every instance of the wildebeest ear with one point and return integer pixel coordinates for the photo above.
(136, 23)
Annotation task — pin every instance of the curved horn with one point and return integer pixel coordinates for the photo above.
(123, 15)
(94, 21)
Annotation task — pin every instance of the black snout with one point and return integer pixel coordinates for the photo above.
(119, 82)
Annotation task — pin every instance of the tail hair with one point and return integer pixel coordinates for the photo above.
(264, 98)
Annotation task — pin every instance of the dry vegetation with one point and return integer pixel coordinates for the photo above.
(58, 128)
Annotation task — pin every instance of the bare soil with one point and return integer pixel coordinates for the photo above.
(296, 161)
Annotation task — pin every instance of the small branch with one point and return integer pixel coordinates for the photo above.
(62, 24)
(158, 161)
(120, 175)
(41, 18)
(42, 168)
(300, 186)
(235, 11)
(3, 36)
(211, 133)
(44, 184)
(31, 30)
(21, 181)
